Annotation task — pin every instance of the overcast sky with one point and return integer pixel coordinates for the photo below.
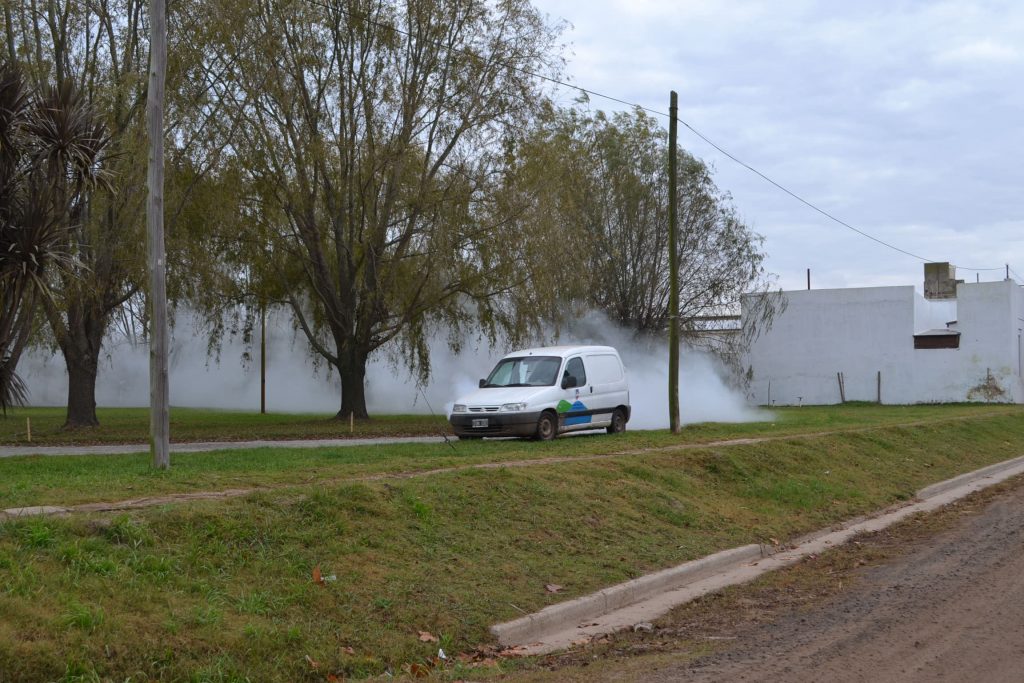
(903, 119)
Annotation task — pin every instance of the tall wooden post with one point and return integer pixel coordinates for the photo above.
(673, 274)
(159, 395)
(263, 359)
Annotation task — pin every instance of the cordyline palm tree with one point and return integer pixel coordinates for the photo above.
(51, 147)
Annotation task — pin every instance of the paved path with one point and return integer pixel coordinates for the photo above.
(202, 446)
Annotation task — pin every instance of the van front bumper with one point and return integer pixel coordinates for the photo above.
(498, 424)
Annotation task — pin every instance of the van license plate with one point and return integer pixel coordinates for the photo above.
(480, 423)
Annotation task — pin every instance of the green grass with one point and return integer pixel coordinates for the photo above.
(78, 479)
(222, 590)
(131, 425)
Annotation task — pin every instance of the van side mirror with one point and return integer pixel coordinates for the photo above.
(569, 382)
(483, 383)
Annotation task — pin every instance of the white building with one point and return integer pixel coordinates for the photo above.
(893, 345)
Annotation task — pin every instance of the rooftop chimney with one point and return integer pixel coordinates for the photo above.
(940, 281)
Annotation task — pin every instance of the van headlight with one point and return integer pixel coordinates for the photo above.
(513, 407)
(459, 408)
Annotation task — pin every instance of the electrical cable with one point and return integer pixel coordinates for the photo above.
(663, 114)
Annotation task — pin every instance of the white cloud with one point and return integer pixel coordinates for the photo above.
(985, 52)
(901, 118)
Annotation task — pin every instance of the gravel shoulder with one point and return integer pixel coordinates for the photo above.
(952, 609)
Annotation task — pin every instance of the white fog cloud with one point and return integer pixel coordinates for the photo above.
(296, 384)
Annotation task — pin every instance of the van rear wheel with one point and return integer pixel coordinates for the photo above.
(618, 424)
(547, 427)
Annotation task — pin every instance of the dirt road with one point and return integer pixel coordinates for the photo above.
(949, 610)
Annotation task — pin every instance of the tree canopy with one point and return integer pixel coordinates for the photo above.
(385, 170)
(374, 131)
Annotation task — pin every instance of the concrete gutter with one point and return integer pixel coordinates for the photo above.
(554, 618)
(646, 598)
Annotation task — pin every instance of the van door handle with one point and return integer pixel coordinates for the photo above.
(591, 388)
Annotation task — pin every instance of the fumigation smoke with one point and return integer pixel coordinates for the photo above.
(296, 383)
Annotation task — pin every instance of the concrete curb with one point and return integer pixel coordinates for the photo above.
(568, 614)
(943, 486)
(727, 567)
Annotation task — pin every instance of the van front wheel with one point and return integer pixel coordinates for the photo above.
(618, 424)
(547, 427)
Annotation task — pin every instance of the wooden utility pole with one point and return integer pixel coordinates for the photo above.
(673, 272)
(159, 394)
(263, 359)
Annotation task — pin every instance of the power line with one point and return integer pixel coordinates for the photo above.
(656, 112)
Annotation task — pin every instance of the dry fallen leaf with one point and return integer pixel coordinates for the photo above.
(552, 587)
(317, 576)
(312, 662)
(418, 670)
(774, 541)
(348, 650)
(331, 678)
(427, 637)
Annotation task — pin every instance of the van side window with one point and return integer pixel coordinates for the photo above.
(574, 368)
(604, 368)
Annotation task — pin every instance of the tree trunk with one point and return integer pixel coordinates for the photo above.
(81, 392)
(352, 369)
(80, 341)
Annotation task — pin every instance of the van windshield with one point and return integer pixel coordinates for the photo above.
(530, 371)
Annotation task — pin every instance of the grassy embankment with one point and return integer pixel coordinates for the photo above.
(222, 590)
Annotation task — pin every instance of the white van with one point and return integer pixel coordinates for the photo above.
(546, 391)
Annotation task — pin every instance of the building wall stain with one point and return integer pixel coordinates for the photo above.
(988, 390)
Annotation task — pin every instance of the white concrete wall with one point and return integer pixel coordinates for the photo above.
(860, 332)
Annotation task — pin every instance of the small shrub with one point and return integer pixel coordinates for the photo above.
(36, 533)
(83, 616)
(123, 530)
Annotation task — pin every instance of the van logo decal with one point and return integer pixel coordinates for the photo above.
(566, 407)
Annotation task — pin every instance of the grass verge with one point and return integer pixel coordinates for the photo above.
(66, 480)
(131, 425)
(223, 591)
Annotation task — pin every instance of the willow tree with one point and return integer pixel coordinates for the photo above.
(373, 130)
(603, 179)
